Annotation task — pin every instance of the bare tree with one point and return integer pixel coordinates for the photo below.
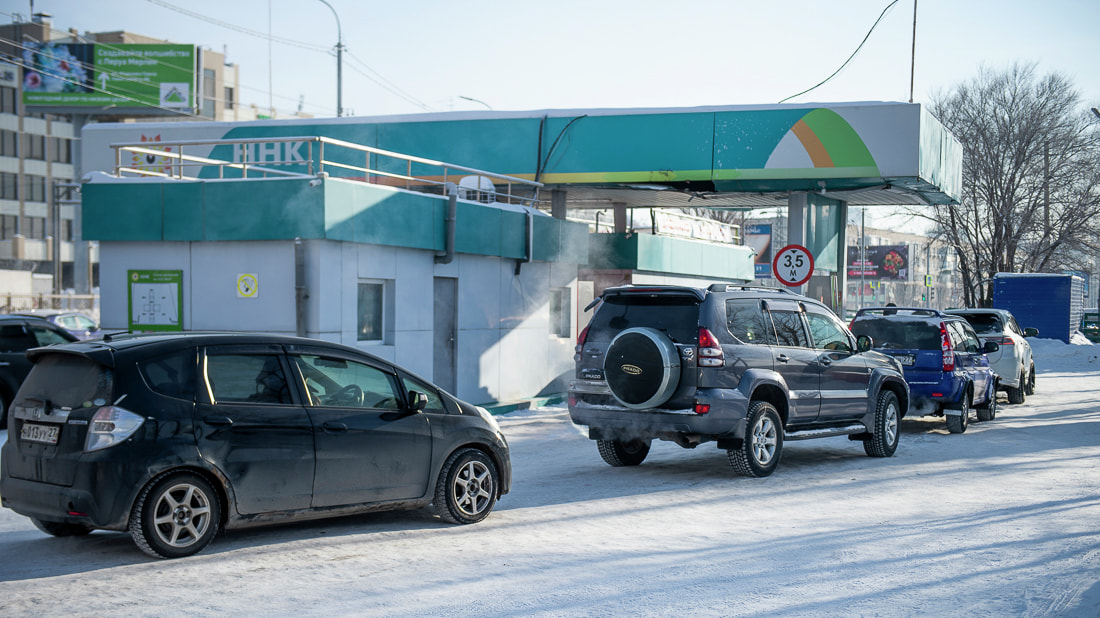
(1031, 193)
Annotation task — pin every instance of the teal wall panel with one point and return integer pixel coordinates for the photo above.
(264, 210)
(547, 235)
(122, 211)
(184, 215)
(478, 229)
(663, 254)
(513, 235)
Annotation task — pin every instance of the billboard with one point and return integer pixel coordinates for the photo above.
(759, 237)
(881, 262)
(95, 75)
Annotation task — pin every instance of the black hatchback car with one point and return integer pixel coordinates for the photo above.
(174, 437)
(19, 333)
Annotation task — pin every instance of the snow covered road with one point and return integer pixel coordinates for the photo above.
(1003, 520)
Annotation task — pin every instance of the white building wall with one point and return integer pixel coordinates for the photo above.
(504, 346)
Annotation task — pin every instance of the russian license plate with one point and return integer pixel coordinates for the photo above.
(906, 359)
(46, 434)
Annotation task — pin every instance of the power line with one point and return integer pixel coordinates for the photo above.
(385, 83)
(241, 29)
(867, 36)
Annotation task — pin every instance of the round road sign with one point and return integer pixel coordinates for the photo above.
(793, 265)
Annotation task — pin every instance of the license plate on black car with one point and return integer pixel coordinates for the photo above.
(33, 432)
(905, 359)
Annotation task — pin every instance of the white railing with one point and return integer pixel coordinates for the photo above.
(323, 156)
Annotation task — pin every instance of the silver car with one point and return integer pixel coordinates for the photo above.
(1013, 362)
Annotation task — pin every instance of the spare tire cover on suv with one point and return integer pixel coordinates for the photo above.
(642, 367)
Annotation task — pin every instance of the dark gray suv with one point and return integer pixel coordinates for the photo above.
(745, 367)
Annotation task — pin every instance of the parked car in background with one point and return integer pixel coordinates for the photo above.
(78, 324)
(19, 333)
(1013, 363)
(745, 367)
(945, 362)
(174, 437)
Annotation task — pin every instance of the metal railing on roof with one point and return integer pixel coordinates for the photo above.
(283, 157)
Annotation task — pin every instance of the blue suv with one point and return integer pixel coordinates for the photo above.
(943, 359)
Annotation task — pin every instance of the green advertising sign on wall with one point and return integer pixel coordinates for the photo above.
(99, 75)
(155, 300)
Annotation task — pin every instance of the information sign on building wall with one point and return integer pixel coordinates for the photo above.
(155, 300)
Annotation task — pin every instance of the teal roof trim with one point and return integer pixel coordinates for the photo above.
(234, 210)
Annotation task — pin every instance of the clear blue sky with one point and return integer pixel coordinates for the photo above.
(515, 55)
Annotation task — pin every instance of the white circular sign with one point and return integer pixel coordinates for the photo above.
(793, 265)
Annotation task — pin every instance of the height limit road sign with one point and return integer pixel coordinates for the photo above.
(793, 265)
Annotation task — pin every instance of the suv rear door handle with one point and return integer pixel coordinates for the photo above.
(333, 426)
(218, 420)
(783, 358)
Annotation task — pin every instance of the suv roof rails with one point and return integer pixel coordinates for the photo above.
(733, 287)
(925, 311)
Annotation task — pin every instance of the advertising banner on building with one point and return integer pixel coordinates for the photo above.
(99, 75)
(759, 237)
(881, 262)
(668, 223)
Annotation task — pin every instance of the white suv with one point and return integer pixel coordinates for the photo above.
(1013, 362)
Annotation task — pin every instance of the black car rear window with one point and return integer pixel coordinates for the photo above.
(173, 374)
(676, 315)
(985, 323)
(900, 333)
(68, 381)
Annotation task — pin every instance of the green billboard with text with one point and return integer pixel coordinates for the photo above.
(116, 75)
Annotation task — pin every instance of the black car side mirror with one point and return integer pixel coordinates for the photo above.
(419, 401)
(991, 347)
(1031, 332)
(864, 343)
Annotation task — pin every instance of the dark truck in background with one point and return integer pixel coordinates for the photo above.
(745, 367)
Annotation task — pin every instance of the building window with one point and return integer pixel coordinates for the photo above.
(36, 147)
(9, 186)
(208, 93)
(228, 98)
(61, 150)
(371, 307)
(8, 100)
(37, 227)
(560, 322)
(36, 188)
(9, 226)
(9, 143)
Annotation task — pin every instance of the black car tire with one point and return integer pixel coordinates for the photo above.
(55, 528)
(1018, 394)
(958, 423)
(884, 440)
(988, 411)
(1030, 390)
(176, 515)
(467, 488)
(762, 447)
(618, 453)
(642, 368)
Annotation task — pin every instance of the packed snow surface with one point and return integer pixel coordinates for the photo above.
(1003, 520)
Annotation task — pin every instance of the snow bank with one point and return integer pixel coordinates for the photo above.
(1054, 355)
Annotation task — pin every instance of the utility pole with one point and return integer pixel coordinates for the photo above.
(339, 62)
(913, 57)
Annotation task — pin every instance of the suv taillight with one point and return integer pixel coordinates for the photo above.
(1004, 341)
(710, 351)
(581, 337)
(945, 345)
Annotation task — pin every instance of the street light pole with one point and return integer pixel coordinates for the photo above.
(339, 62)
